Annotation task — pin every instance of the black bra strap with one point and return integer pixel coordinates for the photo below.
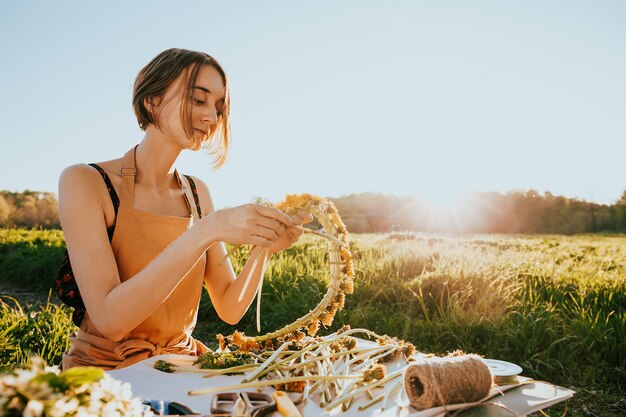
(114, 198)
(194, 192)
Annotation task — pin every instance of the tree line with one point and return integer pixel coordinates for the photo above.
(481, 212)
(29, 209)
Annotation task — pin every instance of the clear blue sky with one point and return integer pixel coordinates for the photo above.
(429, 98)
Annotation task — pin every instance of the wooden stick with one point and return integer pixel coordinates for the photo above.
(268, 382)
(321, 234)
(265, 252)
(250, 273)
(230, 252)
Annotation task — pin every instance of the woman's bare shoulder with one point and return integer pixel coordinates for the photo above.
(81, 185)
(76, 175)
(86, 175)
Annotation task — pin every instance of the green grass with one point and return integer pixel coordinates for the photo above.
(555, 305)
(30, 258)
(23, 332)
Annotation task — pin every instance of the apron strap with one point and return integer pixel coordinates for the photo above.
(128, 172)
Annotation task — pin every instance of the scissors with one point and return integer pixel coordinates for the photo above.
(166, 408)
(242, 404)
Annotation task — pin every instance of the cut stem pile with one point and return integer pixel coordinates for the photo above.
(333, 369)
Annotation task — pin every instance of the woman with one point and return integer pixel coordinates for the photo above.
(139, 260)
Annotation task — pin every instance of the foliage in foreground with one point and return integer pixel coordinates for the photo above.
(43, 331)
(41, 390)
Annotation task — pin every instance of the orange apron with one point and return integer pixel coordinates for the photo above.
(139, 237)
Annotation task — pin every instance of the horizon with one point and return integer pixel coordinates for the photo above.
(421, 199)
(432, 100)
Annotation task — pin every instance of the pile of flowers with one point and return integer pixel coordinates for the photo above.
(42, 390)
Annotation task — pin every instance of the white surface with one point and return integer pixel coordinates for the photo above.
(150, 383)
(502, 368)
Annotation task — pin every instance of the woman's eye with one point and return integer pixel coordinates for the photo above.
(196, 101)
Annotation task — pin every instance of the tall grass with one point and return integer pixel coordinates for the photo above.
(556, 305)
(43, 331)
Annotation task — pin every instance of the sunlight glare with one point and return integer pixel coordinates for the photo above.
(450, 211)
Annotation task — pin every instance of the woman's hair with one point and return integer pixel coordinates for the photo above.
(154, 79)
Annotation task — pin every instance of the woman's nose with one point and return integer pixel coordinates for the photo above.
(209, 115)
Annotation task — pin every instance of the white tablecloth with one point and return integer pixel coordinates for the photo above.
(152, 384)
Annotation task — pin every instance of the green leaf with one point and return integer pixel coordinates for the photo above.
(213, 360)
(53, 380)
(76, 377)
(164, 366)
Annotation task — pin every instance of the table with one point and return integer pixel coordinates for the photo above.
(150, 383)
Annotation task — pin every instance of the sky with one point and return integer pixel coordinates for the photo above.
(426, 98)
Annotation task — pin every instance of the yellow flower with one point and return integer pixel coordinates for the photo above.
(314, 326)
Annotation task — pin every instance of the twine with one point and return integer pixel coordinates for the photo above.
(439, 381)
(498, 391)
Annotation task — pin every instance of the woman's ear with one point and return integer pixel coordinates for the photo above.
(152, 103)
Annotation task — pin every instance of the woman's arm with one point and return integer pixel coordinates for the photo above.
(114, 307)
(223, 285)
(220, 279)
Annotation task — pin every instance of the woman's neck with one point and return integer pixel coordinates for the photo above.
(155, 159)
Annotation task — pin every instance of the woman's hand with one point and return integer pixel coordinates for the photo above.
(253, 224)
(291, 234)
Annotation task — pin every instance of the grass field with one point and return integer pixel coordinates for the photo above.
(555, 305)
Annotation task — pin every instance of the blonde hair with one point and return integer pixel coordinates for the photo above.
(154, 79)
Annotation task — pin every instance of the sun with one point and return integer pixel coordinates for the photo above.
(450, 212)
(444, 201)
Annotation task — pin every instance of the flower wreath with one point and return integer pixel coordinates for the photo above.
(340, 283)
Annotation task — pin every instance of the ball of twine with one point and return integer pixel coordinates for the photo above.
(438, 381)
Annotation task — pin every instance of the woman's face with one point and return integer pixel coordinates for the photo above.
(205, 102)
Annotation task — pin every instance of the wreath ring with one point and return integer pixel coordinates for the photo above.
(341, 276)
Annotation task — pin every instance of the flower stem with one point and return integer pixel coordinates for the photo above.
(321, 234)
(250, 273)
(268, 382)
(230, 252)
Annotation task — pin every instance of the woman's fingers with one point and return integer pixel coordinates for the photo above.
(260, 241)
(305, 216)
(302, 217)
(268, 234)
(263, 225)
(271, 224)
(273, 213)
(294, 234)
